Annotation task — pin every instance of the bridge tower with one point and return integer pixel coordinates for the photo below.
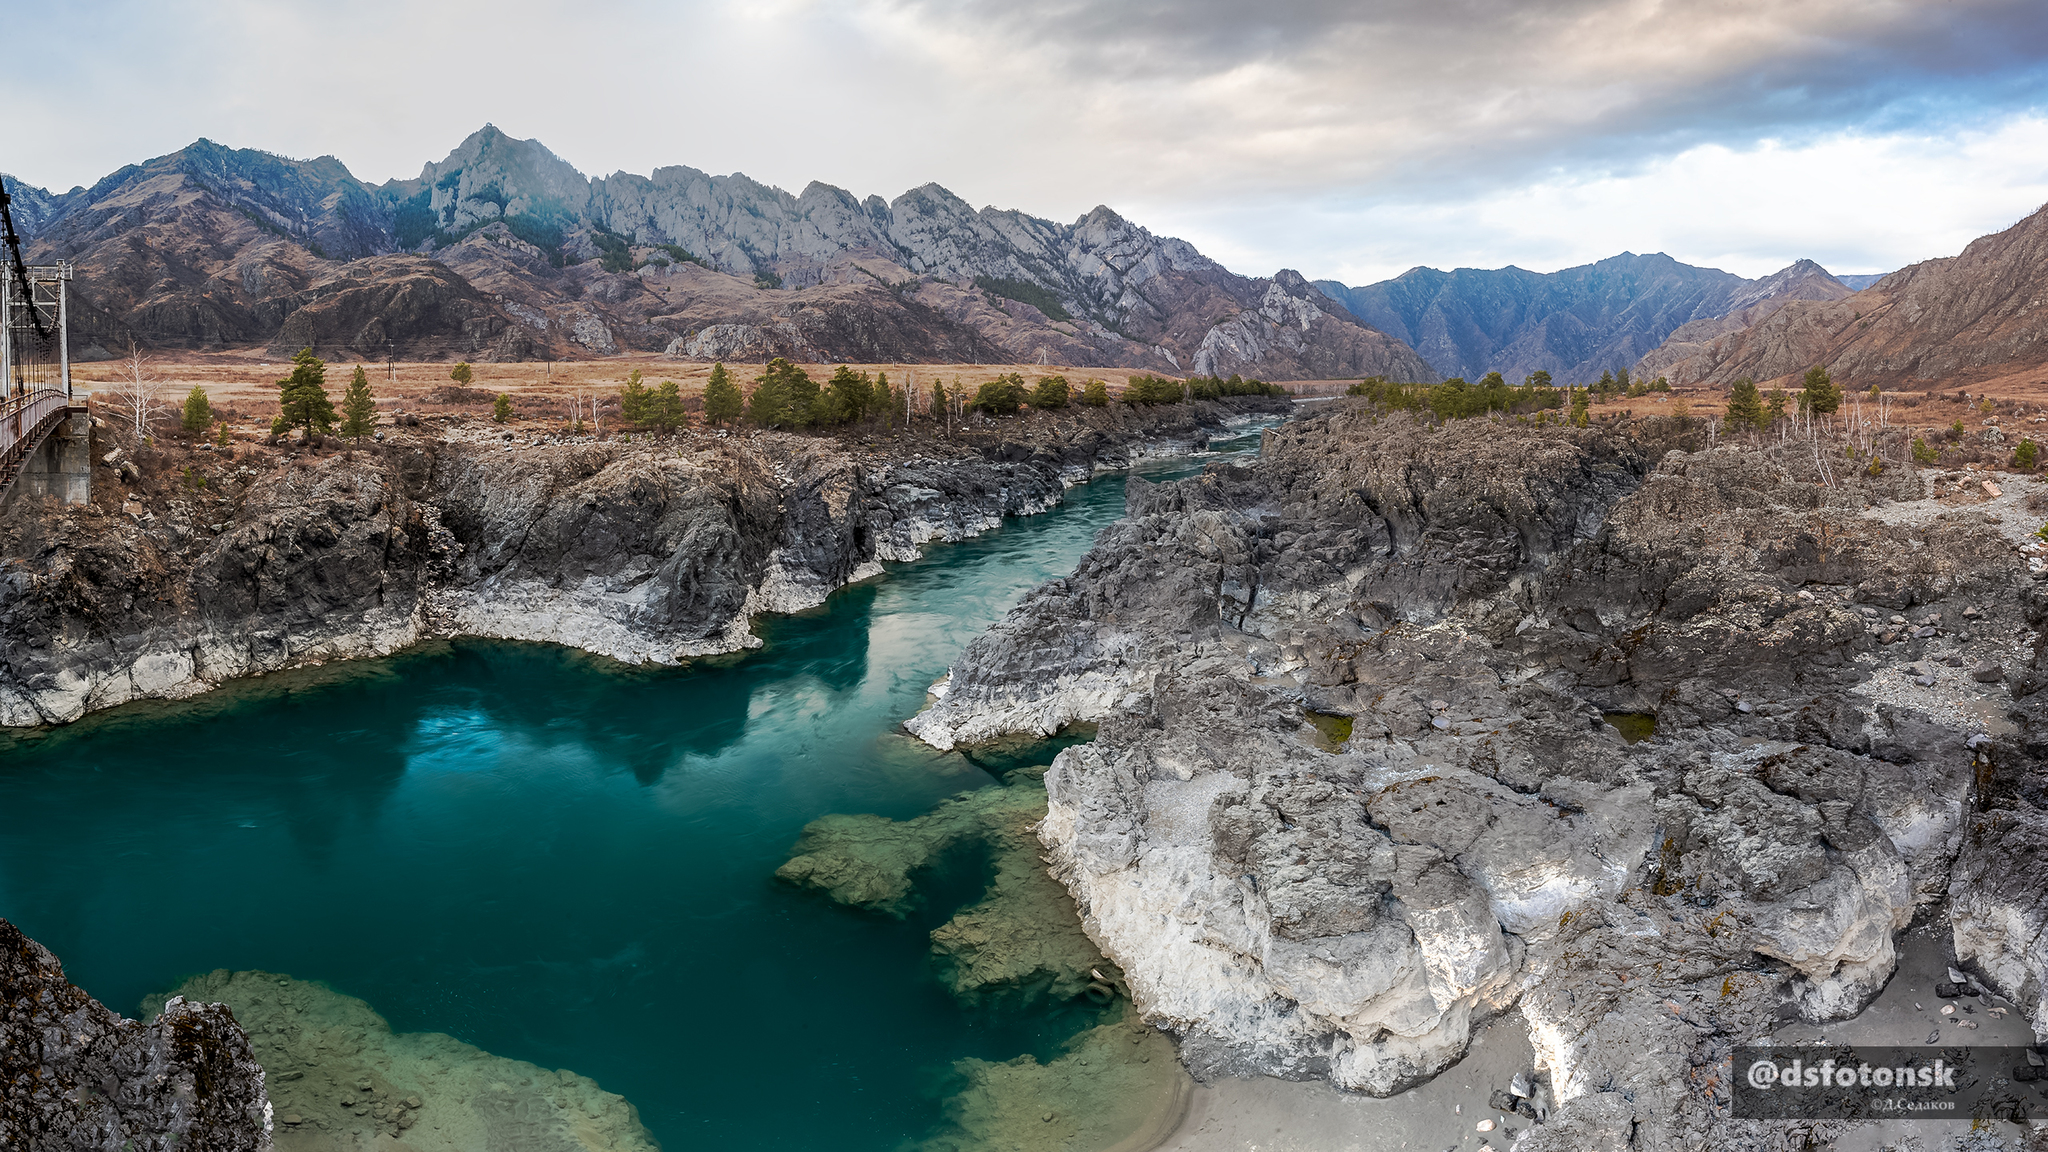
(45, 438)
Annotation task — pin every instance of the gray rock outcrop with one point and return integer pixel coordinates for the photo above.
(642, 552)
(1408, 726)
(75, 1077)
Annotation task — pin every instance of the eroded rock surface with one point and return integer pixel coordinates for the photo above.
(79, 1078)
(1476, 601)
(644, 552)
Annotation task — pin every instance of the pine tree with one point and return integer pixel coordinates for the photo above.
(722, 400)
(1582, 409)
(1746, 406)
(302, 396)
(462, 374)
(802, 392)
(358, 410)
(665, 409)
(633, 399)
(1096, 394)
(847, 397)
(1822, 394)
(1774, 407)
(223, 442)
(501, 409)
(938, 409)
(198, 410)
(768, 407)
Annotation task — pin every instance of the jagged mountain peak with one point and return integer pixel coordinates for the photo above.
(504, 249)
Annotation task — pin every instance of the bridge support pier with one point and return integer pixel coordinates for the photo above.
(62, 465)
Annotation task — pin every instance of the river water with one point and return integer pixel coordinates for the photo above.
(559, 859)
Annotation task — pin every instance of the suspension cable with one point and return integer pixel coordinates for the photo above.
(20, 268)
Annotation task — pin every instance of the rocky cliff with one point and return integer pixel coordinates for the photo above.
(190, 570)
(502, 250)
(77, 1077)
(1574, 323)
(1405, 727)
(1955, 320)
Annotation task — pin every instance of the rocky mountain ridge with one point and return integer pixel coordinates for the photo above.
(502, 250)
(1953, 320)
(1574, 323)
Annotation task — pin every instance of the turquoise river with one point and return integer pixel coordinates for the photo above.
(563, 860)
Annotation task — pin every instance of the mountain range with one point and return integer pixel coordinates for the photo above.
(504, 251)
(1574, 323)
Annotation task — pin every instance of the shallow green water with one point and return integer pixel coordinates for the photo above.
(558, 859)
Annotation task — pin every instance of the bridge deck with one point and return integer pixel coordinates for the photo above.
(26, 418)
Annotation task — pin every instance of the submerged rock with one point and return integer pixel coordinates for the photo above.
(342, 1080)
(1023, 937)
(76, 1076)
(1116, 1085)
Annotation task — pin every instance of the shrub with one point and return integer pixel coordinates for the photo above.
(1922, 453)
(1052, 392)
(1001, 396)
(501, 409)
(2026, 455)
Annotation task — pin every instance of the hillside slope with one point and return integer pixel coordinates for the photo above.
(502, 250)
(1953, 320)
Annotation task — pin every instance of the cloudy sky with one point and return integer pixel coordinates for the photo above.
(1346, 140)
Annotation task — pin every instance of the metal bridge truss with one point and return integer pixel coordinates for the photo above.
(35, 360)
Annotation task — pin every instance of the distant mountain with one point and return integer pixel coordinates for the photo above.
(1857, 282)
(1574, 323)
(503, 250)
(1956, 320)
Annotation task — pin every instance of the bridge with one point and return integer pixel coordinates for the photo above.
(45, 437)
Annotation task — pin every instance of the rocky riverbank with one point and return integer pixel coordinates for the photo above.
(76, 1076)
(194, 567)
(1406, 727)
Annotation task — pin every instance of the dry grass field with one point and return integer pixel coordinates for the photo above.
(244, 384)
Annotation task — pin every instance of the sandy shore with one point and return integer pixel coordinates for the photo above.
(1269, 1115)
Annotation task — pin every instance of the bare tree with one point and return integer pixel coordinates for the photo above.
(140, 391)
